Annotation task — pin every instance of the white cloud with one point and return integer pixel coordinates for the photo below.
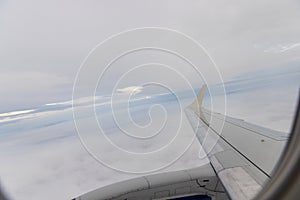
(8, 114)
(41, 161)
(279, 48)
(130, 90)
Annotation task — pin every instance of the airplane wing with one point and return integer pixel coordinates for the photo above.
(242, 157)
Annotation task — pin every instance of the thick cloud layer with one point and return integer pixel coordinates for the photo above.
(42, 153)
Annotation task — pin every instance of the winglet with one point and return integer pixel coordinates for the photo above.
(197, 103)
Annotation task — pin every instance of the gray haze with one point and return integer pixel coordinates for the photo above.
(255, 44)
(44, 42)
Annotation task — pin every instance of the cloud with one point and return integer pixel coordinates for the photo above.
(23, 90)
(8, 114)
(43, 154)
(130, 90)
(52, 157)
(279, 48)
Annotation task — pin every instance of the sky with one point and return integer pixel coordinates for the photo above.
(47, 47)
(43, 43)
